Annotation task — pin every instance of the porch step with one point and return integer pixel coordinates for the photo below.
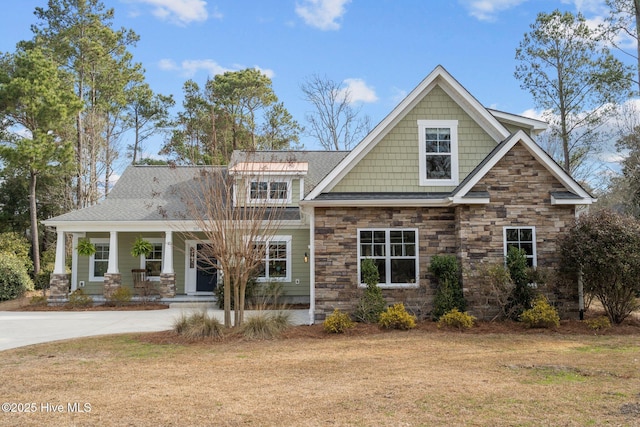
(191, 302)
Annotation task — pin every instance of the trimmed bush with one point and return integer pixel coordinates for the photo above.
(396, 317)
(541, 315)
(14, 277)
(372, 302)
(198, 326)
(598, 323)
(78, 299)
(522, 294)
(456, 319)
(18, 245)
(265, 326)
(121, 296)
(449, 294)
(337, 322)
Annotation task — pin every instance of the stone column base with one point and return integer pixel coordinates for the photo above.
(58, 288)
(167, 286)
(112, 281)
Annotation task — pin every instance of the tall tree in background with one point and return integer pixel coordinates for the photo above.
(573, 78)
(622, 29)
(37, 97)
(334, 123)
(80, 35)
(235, 110)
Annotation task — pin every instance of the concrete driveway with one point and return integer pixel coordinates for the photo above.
(22, 328)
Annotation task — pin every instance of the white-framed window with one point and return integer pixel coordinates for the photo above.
(99, 261)
(438, 142)
(395, 252)
(276, 190)
(523, 238)
(153, 262)
(276, 259)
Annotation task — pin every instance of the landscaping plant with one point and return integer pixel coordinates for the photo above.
(541, 315)
(372, 303)
(456, 319)
(396, 317)
(449, 294)
(337, 322)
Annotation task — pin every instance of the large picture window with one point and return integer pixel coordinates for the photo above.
(395, 252)
(522, 238)
(438, 152)
(276, 259)
(99, 261)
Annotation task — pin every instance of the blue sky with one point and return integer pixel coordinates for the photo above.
(381, 48)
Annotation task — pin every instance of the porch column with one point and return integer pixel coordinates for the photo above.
(60, 254)
(168, 275)
(167, 265)
(112, 278)
(59, 283)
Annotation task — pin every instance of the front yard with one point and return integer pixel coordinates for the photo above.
(419, 377)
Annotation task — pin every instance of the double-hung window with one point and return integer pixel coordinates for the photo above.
(395, 252)
(438, 142)
(270, 191)
(522, 238)
(276, 259)
(99, 261)
(152, 262)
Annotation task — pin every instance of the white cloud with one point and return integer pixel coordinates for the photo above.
(322, 14)
(190, 67)
(359, 91)
(487, 10)
(181, 12)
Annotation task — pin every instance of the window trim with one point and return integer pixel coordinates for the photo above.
(387, 280)
(534, 256)
(143, 257)
(267, 241)
(92, 259)
(422, 159)
(269, 181)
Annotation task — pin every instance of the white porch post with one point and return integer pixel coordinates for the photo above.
(58, 267)
(113, 268)
(167, 265)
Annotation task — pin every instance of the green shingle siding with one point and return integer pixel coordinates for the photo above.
(392, 165)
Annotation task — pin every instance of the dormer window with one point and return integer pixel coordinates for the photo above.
(270, 191)
(438, 141)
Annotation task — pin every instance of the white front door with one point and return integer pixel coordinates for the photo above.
(201, 277)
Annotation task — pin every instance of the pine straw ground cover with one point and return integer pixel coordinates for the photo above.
(493, 375)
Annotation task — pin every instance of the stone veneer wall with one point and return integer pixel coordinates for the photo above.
(336, 239)
(112, 281)
(519, 188)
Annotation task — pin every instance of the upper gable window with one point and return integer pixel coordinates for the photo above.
(270, 191)
(438, 152)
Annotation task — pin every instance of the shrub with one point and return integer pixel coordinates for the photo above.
(14, 277)
(199, 325)
(372, 302)
(78, 299)
(598, 323)
(522, 294)
(456, 319)
(541, 315)
(396, 317)
(605, 247)
(499, 286)
(337, 322)
(121, 296)
(265, 326)
(18, 245)
(449, 294)
(249, 294)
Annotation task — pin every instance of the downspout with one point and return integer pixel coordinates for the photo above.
(312, 266)
(578, 212)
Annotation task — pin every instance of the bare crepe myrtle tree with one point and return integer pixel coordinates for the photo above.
(233, 211)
